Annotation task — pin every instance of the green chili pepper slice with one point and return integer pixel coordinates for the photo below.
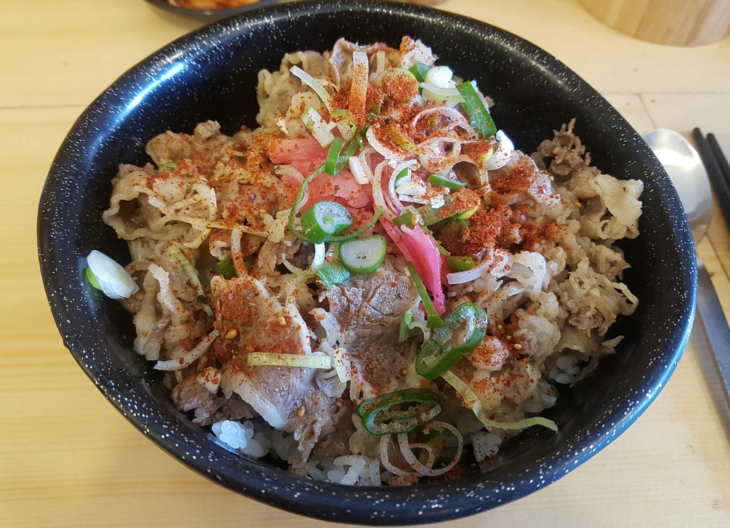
(404, 330)
(462, 201)
(333, 156)
(460, 263)
(433, 318)
(226, 268)
(323, 220)
(465, 328)
(386, 414)
(449, 183)
(331, 273)
(479, 116)
(349, 236)
(293, 212)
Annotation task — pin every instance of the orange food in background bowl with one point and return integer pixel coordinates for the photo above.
(210, 4)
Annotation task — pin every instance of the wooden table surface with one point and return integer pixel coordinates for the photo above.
(67, 458)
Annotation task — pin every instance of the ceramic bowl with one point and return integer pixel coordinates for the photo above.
(211, 74)
(210, 14)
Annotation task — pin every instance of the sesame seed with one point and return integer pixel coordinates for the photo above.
(372, 365)
(231, 333)
(282, 321)
(300, 411)
(518, 346)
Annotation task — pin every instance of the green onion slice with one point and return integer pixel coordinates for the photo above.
(471, 400)
(419, 71)
(261, 359)
(479, 116)
(345, 124)
(433, 318)
(363, 255)
(402, 140)
(170, 165)
(113, 279)
(92, 279)
(401, 175)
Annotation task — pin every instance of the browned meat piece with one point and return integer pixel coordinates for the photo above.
(606, 349)
(249, 319)
(369, 309)
(337, 442)
(566, 152)
(518, 180)
(190, 395)
(206, 147)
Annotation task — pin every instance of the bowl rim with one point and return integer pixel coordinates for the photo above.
(416, 505)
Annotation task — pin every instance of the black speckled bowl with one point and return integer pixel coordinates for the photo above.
(211, 74)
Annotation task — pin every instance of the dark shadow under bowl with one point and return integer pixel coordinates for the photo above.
(211, 74)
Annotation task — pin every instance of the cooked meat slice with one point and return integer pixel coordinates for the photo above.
(369, 309)
(519, 180)
(189, 395)
(250, 319)
(206, 147)
(337, 441)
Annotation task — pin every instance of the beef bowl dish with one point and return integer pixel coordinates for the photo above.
(400, 271)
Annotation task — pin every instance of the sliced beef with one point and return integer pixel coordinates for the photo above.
(337, 441)
(250, 319)
(519, 180)
(189, 395)
(369, 309)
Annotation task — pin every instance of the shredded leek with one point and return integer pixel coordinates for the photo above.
(314, 84)
(261, 359)
(178, 257)
(342, 364)
(471, 400)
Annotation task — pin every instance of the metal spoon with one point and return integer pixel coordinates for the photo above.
(688, 174)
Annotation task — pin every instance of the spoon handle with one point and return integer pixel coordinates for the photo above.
(715, 324)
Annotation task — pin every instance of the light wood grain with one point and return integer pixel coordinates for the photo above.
(672, 22)
(67, 458)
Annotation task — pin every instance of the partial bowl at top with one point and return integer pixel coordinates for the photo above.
(212, 74)
(211, 14)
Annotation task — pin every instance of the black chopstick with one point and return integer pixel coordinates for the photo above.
(719, 156)
(713, 159)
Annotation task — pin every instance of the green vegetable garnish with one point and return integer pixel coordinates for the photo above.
(433, 319)
(363, 255)
(380, 415)
(226, 268)
(464, 329)
(419, 71)
(333, 156)
(479, 117)
(449, 183)
(460, 263)
(323, 220)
